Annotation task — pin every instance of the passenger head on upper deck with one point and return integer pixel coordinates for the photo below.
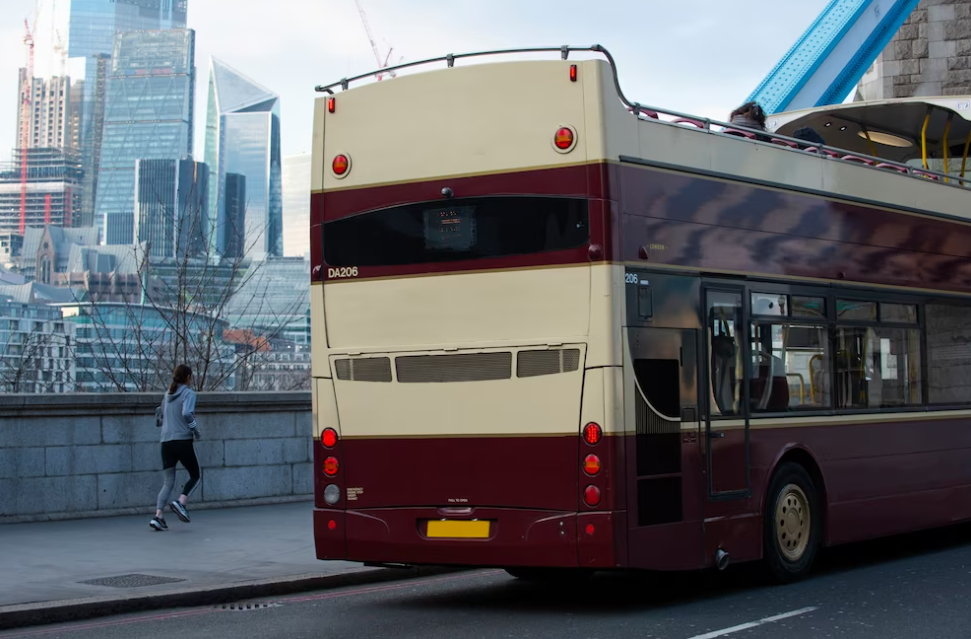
(749, 115)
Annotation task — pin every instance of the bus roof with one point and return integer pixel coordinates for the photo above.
(895, 126)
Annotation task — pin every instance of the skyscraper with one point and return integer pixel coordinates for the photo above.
(296, 205)
(171, 205)
(53, 188)
(243, 136)
(148, 112)
(50, 121)
(234, 213)
(93, 25)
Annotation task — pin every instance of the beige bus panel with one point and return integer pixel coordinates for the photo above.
(537, 406)
(325, 407)
(318, 333)
(317, 157)
(607, 306)
(693, 149)
(459, 308)
(468, 120)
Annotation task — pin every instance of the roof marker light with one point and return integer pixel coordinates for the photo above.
(564, 138)
(331, 105)
(341, 165)
(573, 73)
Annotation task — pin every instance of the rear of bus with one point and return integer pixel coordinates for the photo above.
(465, 353)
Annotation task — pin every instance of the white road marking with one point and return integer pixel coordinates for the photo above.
(754, 624)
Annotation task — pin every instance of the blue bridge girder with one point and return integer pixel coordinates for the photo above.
(830, 58)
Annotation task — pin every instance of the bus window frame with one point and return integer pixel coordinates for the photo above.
(830, 293)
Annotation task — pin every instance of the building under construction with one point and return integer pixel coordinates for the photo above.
(53, 188)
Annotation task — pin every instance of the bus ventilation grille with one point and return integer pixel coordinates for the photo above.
(372, 369)
(463, 367)
(547, 362)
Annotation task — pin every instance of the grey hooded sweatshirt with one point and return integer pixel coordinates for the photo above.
(178, 414)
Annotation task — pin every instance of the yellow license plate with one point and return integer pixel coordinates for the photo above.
(458, 529)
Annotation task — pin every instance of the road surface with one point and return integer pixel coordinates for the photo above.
(909, 588)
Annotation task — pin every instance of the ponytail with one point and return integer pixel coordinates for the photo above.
(179, 376)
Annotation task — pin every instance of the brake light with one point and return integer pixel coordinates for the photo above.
(331, 105)
(328, 438)
(592, 434)
(332, 525)
(573, 74)
(591, 465)
(563, 138)
(591, 529)
(331, 466)
(591, 496)
(341, 164)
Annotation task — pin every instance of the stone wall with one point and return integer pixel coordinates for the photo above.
(77, 455)
(929, 56)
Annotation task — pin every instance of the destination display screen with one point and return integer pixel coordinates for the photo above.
(450, 229)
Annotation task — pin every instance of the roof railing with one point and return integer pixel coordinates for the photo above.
(643, 111)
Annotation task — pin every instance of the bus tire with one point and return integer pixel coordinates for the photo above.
(549, 575)
(792, 523)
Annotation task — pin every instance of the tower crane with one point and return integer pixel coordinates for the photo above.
(374, 46)
(25, 113)
(830, 58)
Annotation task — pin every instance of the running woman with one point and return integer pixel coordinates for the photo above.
(179, 429)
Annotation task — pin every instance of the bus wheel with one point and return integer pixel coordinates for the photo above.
(549, 575)
(792, 523)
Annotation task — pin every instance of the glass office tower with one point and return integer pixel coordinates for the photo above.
(243, 136)
(171, 205)
(92, 30)
(296, 205)
(148, 112)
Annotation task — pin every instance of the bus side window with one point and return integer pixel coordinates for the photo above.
(724, 311)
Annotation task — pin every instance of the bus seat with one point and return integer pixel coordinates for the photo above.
(791, 145)
(643, 111)
(929, 176)
(855, 158)
(738, 133)
(691, 121)
(891, 167)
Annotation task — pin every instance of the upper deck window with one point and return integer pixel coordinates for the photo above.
(455, 230)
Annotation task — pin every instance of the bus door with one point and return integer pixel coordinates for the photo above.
(726, 417)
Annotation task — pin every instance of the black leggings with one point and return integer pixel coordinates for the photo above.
(175, 452)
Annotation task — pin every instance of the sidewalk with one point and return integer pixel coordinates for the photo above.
(252, 550)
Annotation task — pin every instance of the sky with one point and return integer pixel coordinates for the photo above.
(697, 57)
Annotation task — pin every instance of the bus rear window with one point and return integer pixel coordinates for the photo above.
(459, 229)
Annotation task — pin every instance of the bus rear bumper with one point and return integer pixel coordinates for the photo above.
(515, 537)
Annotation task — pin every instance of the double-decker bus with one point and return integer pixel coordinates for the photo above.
(556, 331)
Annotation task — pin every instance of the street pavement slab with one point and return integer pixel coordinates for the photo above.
(120, 556)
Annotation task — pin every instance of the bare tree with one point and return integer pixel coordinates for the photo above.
(190, 300)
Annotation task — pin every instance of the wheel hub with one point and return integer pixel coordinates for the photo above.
(793, 522)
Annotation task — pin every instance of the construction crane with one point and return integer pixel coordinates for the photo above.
(25, 112)
(830, 58)
(374, 46)
(60, 49)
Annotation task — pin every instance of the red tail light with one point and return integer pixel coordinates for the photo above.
(591, 496)
(563, 138)
(592, 434)
(331, 105)
(573, 73)
(591, 465)
(331, 466)
(328, 438)
(341, 164)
